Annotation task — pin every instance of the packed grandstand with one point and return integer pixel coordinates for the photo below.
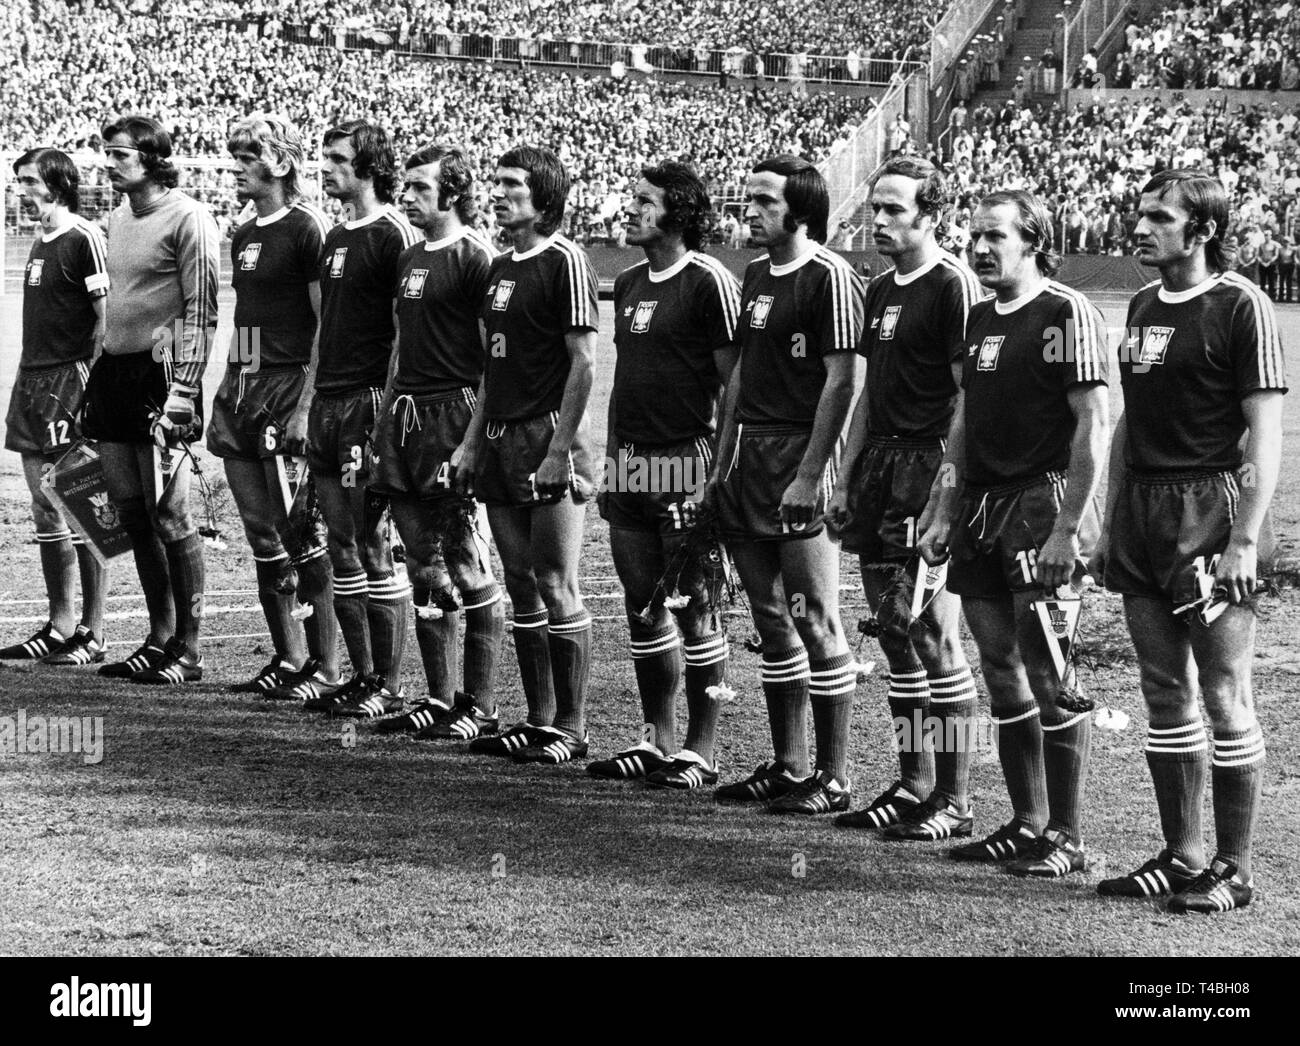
(198, 66)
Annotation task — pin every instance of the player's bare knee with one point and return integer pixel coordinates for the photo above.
(1227, 695)
(559, 590)
(47, 518)
(940, 653)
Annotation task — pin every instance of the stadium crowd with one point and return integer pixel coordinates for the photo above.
(198, 78)
(1228, 43)
(875, 28)
(1092, 161)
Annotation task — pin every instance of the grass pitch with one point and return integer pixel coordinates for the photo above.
(217, 824)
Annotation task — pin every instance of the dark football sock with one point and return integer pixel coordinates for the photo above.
(94, 583)
(437, 635)
(657, 660)
(185, 569)
(1066, 747)
(909, 701)
(389, 596)
(485, 625)
(278, 601)
(1238, 776)
(1020, 749)
(155, 581)
(569, 639)
(316, 590)
(831, 686)
(706, 669)
(59, 566)
(785, 689)
(534, 655)
(351, 598)
(1176, 756)
(953, 702)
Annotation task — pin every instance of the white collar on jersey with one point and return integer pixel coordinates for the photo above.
(533, 252)
(271, 219)
(50, 237)
(446, 241)
(358, 223)
(916, 273)
(798, 263)
(1007, 308)
(673, 269)
(1177, 297)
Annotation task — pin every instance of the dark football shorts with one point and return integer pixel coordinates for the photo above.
(511, 453)
(415, 437)
(124, 393)
(1167, 531)
(42, 416)
(656, 489)
(251, 412)
(999, 531)
(339, 428)
(764, 462)
(889, 489)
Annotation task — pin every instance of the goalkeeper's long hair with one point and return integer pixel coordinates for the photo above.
(274, 141)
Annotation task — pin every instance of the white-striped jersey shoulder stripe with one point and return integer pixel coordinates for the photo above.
(97, 278)
(847, 319)
(971, 288)
(576, 265)
(409, 236)
(316, 215)
(727, 287)
(1268, 339)
(479, 239)
(644, 264)
(1089, 342)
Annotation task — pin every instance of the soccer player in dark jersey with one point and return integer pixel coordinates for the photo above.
(1202, 366)
(1014, 498)
(358, 274)
(784, 417)
(145, 392)
(914, 344)
(426, 410)
(674, 328)
(259, 415)
(528, 449)
(64, 285)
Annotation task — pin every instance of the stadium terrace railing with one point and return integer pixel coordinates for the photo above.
(1092, 21)
(847, 70)
(952, 32)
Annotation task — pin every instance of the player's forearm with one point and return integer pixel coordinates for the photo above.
(832, 411)
(1115, 471)
(727, 421)
(97, 334)
(1259, 473)
(856, 442)
(946, 487)
(1087, 452)
(477, 420)
(577, 390)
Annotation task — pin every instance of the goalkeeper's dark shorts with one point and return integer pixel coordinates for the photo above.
(124, 393)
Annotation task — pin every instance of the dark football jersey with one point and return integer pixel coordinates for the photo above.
(532, 301)
(667, 326)
(64, 275)
(915, 330)
(1021, 362)
(275, 260)
(440, 290)
(1187, 361)
(358, 273)
(792, 317)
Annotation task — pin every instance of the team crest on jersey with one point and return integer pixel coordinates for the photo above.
(988, 352)
(889, 321)
(1155, 345)
(249, 255)
(415, 283)
(641, 321)
(336, 262)
(501, 295)
(759, 308)
(34, 268)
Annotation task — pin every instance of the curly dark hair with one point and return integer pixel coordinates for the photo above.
(686, 203)
(154, 143)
